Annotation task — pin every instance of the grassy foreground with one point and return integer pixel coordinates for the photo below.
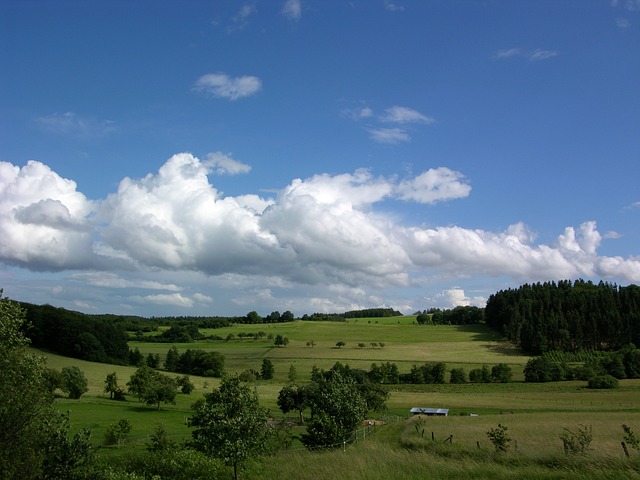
(535, 414)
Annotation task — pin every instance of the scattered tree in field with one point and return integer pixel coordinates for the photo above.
(293, 374)
(340, 344)
(267, 370)
(281, 341)
(171, 360)
(230, 424)
(311, 343)
(117, 432)
(185, 384)
(160, 389)
(630, 437)
(337, 408)
(74, 383)
(457, 375)
(381, 344)
(499, 438)
(501, 373)
(293, 398)
(159, 442)
(140, 380)
(153, 360)
(578, 442)
(111, 384)
(361, 345)
(423, 319)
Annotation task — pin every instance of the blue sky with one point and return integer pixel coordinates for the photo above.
(213, 158)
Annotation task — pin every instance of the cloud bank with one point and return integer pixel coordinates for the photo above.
(324, 230)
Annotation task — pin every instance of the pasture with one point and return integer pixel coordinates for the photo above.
(535, 414)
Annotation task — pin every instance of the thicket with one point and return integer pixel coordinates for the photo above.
(462, 315)
(567, 316)
(75, 334)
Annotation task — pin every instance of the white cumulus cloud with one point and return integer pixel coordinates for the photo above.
(224, 86)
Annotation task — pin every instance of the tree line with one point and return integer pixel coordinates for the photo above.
(567, 316)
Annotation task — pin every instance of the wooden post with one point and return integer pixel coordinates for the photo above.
(624, 447)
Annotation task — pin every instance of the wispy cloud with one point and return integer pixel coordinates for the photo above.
(292, 9)
(70, 123)
(533, 55)
(224, 86)
(623, 23)
(539, 54)
(393, 6)
(241, 19)
(389, 135)
(398, 114)
(224, 164)
(612, 235)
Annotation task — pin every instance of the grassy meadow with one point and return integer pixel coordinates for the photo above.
(535, 414)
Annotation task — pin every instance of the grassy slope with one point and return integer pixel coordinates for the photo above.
(540, 411)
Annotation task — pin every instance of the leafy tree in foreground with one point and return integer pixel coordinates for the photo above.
(230, 424)
(34, 441)
(337, 409)
(74, 383)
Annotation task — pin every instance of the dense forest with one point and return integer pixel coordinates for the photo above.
(76, 334)
(567, 316)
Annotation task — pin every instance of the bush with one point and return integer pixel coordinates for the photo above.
(499, 438)
(603, 381)
(577, 442)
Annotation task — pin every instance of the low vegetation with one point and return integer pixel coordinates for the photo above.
(231, 402)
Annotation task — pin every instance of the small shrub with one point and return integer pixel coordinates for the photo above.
(603, 381)
(630, 437)
(577, 442)
(498, 436)
(117, 432)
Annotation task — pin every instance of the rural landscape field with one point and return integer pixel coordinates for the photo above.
(399, 445)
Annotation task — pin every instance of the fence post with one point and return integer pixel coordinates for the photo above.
(624, 447)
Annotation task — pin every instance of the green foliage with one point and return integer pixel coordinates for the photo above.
(501, 373)
(171, 359)
(293, 374)
(499, 438)
(111, 384)
(116, 433)
(267, 370)
(201, 363)
(424, 319)
(230, 424)
(293, 398)
(281, 341)
(63, 455)
(160, 442)
(74, 382)
(160, 389)
(457, 375)
(567, 316)
(76, 334)
(603, 382)
(340, 344)
(185, 384)
(630, 438)
(577, 442)
(480, 375)
(337, 409)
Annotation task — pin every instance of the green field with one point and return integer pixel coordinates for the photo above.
(535, 414)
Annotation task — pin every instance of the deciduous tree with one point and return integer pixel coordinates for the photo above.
(230, 424)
